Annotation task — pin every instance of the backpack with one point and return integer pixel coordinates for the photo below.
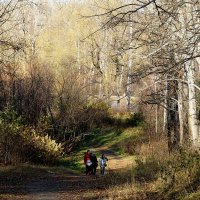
(88, 163)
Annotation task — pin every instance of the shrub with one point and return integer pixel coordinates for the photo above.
(19, 143)
(147, 170)
(126, 120)
(185, 161)
(130, 145)
(135, 119)
(174, 176)
(97, 112)
(40, 149)
(10, 143)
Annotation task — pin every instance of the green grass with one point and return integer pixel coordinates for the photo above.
(108, 139)
(72, 163)
(102, 137)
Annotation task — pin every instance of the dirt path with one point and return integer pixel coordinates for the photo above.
(116, 162)
(76, 187)
(68, 186)
(43, 190)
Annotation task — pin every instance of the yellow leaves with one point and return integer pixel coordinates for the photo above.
(45, 143)
(65, 28)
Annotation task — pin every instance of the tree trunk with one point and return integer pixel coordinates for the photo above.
(172, 122)
(156, 123)
(165, 109)
(180, 112)
(192, 112)
(130, 63)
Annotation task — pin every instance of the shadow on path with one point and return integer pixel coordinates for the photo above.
(65, 187)
(39, 183)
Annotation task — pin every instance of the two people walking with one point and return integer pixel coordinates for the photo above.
(91, 163)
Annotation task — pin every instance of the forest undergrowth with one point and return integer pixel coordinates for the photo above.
(153, 174)
(156, 173)
(116, 77)
(159, 175)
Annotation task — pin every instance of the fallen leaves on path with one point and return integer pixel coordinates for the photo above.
(52, 185)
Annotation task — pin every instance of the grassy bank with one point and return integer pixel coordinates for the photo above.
(169, 177)
(112, 141)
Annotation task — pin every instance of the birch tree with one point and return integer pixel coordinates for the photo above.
(169, 36)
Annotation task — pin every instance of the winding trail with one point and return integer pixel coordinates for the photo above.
(77, 187)
(116, 162)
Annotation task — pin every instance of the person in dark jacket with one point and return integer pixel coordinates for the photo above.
(93, 158)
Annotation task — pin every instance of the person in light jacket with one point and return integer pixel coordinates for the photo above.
(102, 164)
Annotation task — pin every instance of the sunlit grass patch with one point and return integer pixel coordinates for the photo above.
(107, 140)
(111, 138)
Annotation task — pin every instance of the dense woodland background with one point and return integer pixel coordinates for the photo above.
(68, 68)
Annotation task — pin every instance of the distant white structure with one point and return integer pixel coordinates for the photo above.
(120, 103)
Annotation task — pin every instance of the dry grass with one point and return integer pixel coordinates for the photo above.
(125, 191)
(161, 176)
(156, 148)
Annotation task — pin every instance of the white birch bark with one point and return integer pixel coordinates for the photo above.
(35, 22)
(121, 80)
(192, 112)
(180, 111)
(186, 18)
(51, 5)
(130, 63)
(102, 63)
(165, 110)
